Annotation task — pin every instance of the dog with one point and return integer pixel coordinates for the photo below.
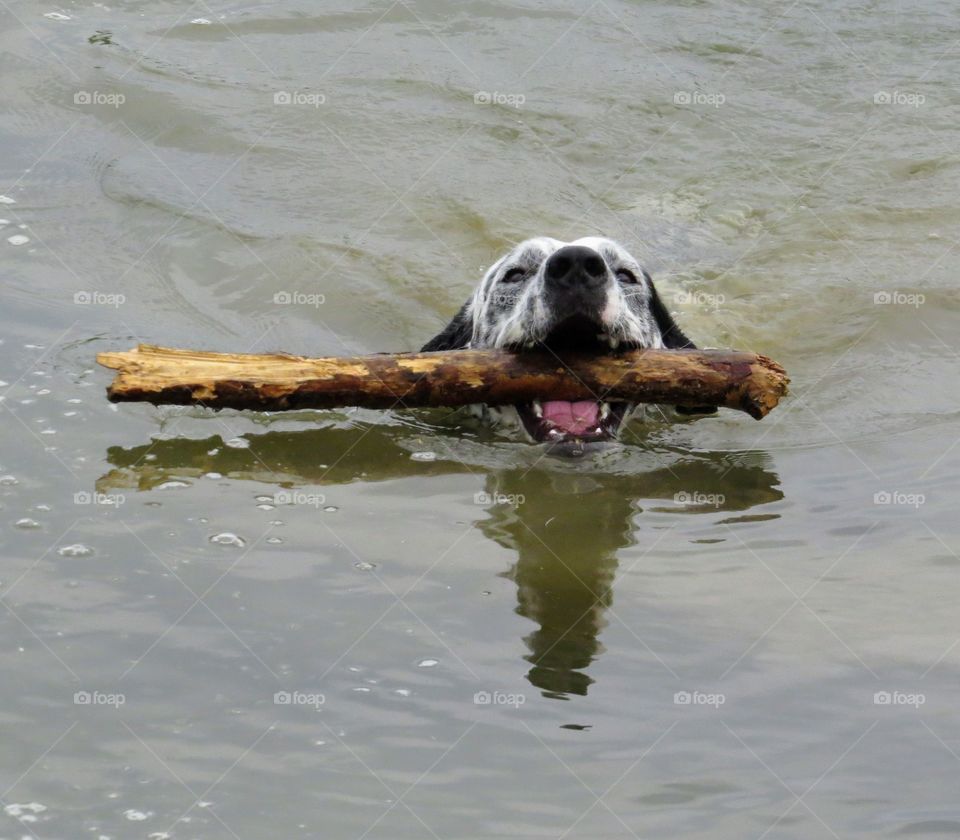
(589, 295)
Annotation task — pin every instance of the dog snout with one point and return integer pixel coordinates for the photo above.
(575, 267)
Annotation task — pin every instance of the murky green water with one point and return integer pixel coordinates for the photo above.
(475, 640)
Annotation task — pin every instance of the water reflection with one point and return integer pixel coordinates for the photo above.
(565, 521)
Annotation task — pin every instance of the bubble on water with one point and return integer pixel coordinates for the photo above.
(228, 538)
(75, 550)
(262, 498)
(403, 692)
(75, 401)
(331, 508)
(428, 663)
(27, 524)
(237, 443)
(277, 522)
(173, 484)
(17, 809)
(424, 456)
(8, 480)
(152, 456)
(42, 507)
(18, 239)
(70, 413)
(274, 540)
(201, 21)
(4, 222)
(319, 743)
(159, 835)
(213, 475)
(213, 452)
(4, 199)
(362, 689)
(364, 565)
(265, 506)
(137, 816)
(48, 431)
(56, 16)
(43, 392)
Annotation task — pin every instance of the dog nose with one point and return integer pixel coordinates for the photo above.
(575, 266)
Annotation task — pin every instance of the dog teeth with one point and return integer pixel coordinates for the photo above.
(604, 410)
(537, 408)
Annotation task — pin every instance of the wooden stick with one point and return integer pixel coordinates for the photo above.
(278, 382)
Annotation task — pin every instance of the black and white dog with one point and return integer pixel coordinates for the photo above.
(587, 295)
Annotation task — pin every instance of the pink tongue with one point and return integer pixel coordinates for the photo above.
(572, 417)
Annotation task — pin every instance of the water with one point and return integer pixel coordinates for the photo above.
(358, 623)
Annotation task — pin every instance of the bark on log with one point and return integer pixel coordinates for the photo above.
(279, 382)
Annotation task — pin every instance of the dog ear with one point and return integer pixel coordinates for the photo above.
(673, 339)
(673, 336)
(455, 336)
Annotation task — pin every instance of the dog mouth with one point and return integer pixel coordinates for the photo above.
(559, 421)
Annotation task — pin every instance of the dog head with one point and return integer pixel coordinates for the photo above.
(587, 296)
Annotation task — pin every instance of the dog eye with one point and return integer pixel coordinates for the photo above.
(514, 274)
(625, 275)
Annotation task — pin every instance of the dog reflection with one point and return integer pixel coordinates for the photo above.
(567, 530)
